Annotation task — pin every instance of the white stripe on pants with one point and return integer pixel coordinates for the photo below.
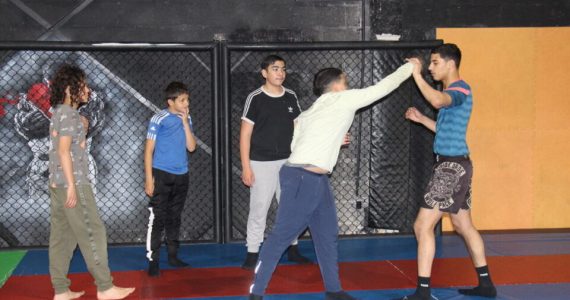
(265, 186)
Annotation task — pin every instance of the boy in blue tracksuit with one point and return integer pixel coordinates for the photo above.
(169, 137)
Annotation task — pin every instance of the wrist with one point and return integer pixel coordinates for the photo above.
(423, 120)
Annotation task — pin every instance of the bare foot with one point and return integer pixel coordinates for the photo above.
(68, 295)
(115, 293)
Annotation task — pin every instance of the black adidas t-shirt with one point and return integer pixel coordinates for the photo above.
(272, 118)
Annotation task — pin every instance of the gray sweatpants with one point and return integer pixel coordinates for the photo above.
(265, 186)
(81, 226)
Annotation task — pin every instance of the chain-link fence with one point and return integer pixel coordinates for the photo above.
(401, 152)
(380, 175)
(377, 182)
(127, 87)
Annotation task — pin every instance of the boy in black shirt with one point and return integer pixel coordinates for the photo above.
(265, 144)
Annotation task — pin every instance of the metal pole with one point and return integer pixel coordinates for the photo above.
(226, 140)
(216, 168)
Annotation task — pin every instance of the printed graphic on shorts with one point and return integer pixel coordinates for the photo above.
(468, 200)
(444, 184)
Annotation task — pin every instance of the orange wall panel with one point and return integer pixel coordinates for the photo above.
(518, 135)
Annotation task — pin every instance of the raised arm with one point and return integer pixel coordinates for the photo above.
(436, 98)
(190, 139)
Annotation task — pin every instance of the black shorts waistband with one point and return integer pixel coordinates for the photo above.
(439, 158)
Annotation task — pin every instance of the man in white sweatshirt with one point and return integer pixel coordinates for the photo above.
(306, 196)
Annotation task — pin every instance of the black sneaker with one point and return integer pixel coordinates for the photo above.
(153, 269)
(481, 291)
(175, 262)
(250, 261)
(341, 295)
(293, 255)
(255, 297)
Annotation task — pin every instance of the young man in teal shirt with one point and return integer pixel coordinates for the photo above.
(449, 190)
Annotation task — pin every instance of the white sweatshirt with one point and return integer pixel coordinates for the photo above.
(319, 131)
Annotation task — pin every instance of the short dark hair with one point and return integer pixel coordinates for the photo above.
(269, 60)
(449, 51)
(324, 78)
(175, 89)
(66, 76)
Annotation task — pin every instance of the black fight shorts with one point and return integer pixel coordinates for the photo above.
(449, 188)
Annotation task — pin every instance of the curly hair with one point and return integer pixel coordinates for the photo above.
(67, 76)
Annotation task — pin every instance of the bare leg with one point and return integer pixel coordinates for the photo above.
(464, 227)
(424, 229)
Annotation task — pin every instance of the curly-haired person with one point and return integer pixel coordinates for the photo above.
(74, 217)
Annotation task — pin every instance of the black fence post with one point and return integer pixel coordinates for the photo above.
(216, 168)
(226, 139)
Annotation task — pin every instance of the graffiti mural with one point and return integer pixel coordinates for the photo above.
(126, 92)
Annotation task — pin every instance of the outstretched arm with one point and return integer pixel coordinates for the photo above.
(363, 97)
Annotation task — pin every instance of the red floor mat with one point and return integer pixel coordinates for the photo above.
(372, 275)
